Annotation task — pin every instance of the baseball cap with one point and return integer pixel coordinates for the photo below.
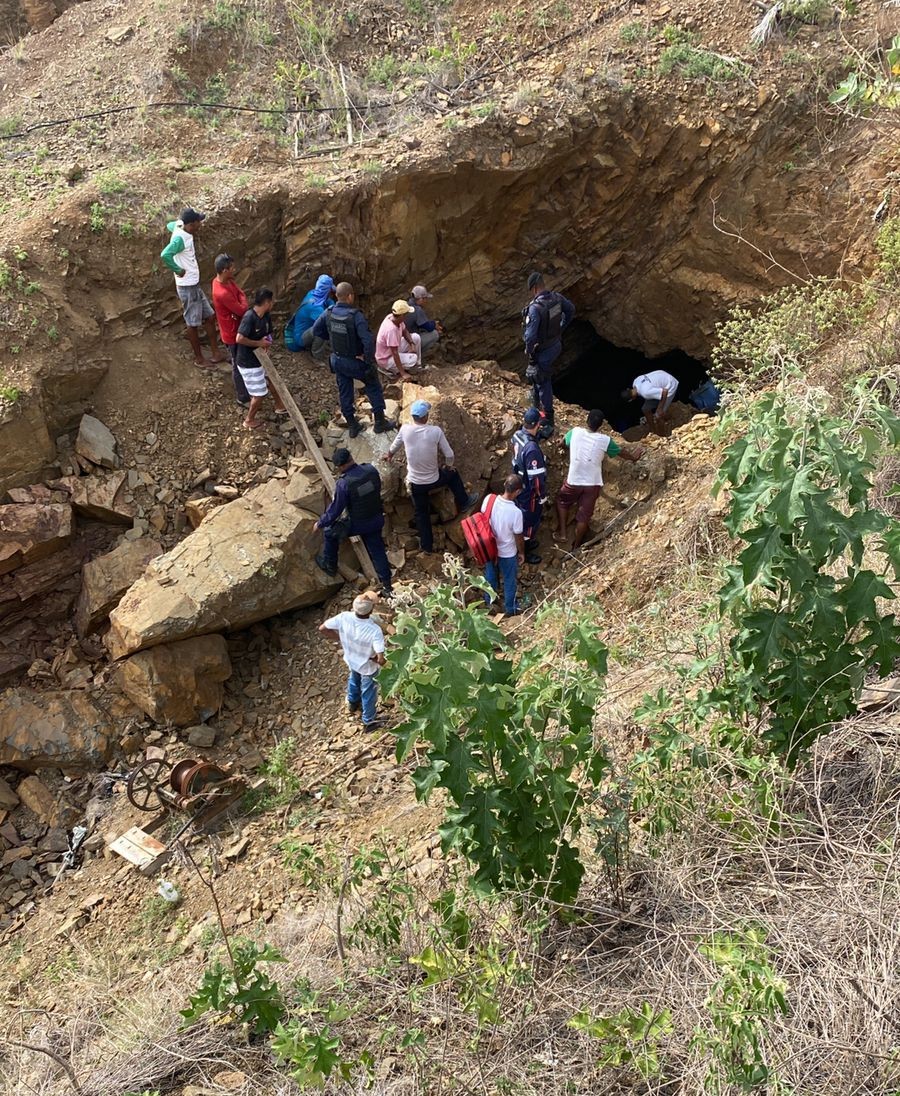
(400, 308)
(531, 417)
(420, 409)
(419, 291)
(363, 605)
(190, 215)
(341, 456)
(535, 278)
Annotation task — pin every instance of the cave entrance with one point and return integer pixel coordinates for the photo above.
(593, 371)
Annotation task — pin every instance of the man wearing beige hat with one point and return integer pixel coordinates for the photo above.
(397, 350)
(418, 321)
(362, 641)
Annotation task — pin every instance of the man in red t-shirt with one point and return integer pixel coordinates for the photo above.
(230, 303)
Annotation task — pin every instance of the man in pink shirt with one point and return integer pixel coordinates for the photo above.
(396, 350)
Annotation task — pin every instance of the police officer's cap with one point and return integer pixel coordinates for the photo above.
(340, 457)
(531, 417)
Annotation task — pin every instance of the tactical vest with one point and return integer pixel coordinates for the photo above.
(342, 333)
(364, 494)
(550, 315)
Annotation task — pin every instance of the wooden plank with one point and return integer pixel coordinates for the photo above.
(314, 451)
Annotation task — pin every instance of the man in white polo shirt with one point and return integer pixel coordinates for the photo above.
(584, 480)
(362, 641)
(657, 389)
(180, 257)
(506, 523)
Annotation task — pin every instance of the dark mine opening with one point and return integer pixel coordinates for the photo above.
(598, 371)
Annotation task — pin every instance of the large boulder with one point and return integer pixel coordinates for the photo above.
(178, 683)
(250, 559)
(26, 447)
(31, 531)
(369, 448)
(102, 497)
(64, 730)
(106, 578)
(471, 437)
(96, 443)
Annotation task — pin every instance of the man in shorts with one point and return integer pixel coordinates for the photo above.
(584, 481)
(180, 257)
(255, 333)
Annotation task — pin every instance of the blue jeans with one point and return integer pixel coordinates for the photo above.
(370, 533)
(363, 688)
(509, 572)
(348, 370)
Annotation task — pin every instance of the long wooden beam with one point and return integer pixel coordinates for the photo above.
(314, 451)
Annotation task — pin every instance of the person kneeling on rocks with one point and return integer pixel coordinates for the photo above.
(255, 333)
(396, 350)
(362, 641)
(358, 491)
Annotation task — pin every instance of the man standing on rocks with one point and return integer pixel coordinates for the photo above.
(358, 491)
(418, 322)
(584, 481)
(396, 350)
(230, 303)
(546, 317)
(362, 641)
(657, 389)
(352, 358)
(424, 444)
(505, 519)
(255, 333)
(528, 462)
(180, 257)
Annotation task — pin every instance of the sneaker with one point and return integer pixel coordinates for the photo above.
(323, 565)
(353, 706)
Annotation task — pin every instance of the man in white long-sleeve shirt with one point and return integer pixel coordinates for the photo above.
(657, 389)
(424, 445)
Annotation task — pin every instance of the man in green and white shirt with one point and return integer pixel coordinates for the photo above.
(180, 257)
(584, 480)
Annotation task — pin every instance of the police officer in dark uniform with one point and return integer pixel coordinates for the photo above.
(548, 315)
(352, 358)
(358, 491)
(528, 463)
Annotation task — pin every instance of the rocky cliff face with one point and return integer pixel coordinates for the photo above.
(618, 205)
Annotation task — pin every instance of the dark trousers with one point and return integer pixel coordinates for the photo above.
(348, 370)
(542, 387)
(531, 519)
(370, 534)
(447, 477)
(240, 389)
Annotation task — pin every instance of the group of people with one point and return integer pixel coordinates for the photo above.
(328, 322)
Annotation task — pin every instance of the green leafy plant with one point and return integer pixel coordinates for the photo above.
(282, 784)
(635, 32)
(507, 733)
(887, 244)
(9, 393)
(10, 125)
(98, 217)
(313, 1055)
(630, 1037)
(744, 1000)
(241, 991)
(806, 607)
(875, 84)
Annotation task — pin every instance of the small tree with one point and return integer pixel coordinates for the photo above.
(506, 723)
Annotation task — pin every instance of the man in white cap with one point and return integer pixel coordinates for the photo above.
(396, 349)
(418, 321)
(424, 445)
(362, 641)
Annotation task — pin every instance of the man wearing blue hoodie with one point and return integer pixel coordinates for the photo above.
(298, 334)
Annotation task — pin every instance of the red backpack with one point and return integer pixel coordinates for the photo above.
(479, 534)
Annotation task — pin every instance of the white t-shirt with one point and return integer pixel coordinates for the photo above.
(586, 453)
(361, 638)
(187, 260)
(422, 442)
(649, 386)
(506, 521)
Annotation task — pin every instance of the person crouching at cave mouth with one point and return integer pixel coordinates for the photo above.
(545, 319)
(584, 481)
(362, 641)
(180, 257)
(255, 333)
(396, 348)
(657, 389)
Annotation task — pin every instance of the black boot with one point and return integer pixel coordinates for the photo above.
(382, 425)
(355, 427)
(323, 566)
(531, 553)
